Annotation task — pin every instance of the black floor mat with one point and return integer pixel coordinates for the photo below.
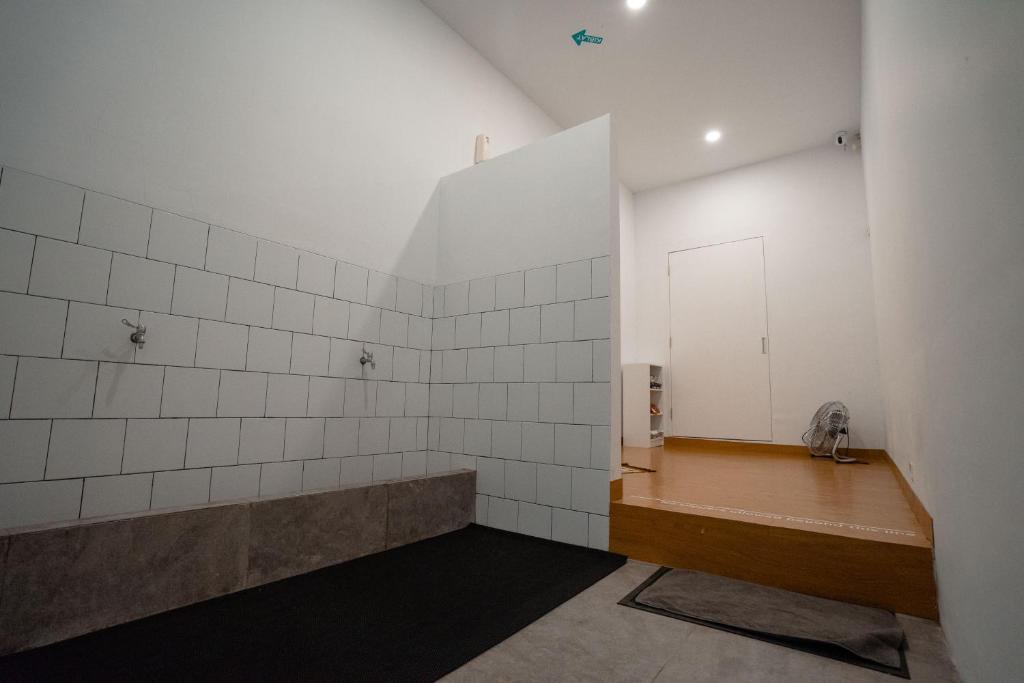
(812, 647)
(413, 613)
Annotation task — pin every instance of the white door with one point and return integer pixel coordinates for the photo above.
(719, 342)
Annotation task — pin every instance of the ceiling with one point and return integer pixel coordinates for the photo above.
(775, 76)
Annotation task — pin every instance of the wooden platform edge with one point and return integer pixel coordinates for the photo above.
(615, 489)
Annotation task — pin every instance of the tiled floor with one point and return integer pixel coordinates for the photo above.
(591, 638)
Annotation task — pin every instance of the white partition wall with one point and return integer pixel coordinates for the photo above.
(522, 354)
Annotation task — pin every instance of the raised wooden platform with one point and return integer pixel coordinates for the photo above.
(773, 515)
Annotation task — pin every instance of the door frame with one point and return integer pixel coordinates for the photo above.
(767, 324)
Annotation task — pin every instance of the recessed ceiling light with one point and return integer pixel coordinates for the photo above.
(635, 4)
(713, 135)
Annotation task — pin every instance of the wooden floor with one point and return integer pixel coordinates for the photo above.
(774, 515)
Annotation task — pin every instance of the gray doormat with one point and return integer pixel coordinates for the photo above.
(864, 636)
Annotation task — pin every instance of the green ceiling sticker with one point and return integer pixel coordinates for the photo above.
(581, 37)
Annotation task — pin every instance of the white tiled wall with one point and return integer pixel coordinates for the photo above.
(519, 389)
(249, 382)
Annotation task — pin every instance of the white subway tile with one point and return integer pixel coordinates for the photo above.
(454, 364)
(180, 488)
(23, 445)
(31, 203)
(235, 483)
(31, 325)
(502, 514)
(279, 478)
(262, 440)
(356, 470)
(115, 224)
(125, 390)
(422, 438)
(287, 395)
(554, 485)
(441, 396)
(390, 399)
(572, 445)
(373, 435)
(277, 264)
(435, 374)
(8, 366)
(522, 401)
(382, 290)
(212, 441)
(591, 404)
(477, 439)
(176, 239)
(190, 392)
(330, 317)
(539, 363)
(250, 303)
(493, 401)
(39, 502)
(599, 277)
(438, 305)
(387, 466)
(456, 299)
(598, 536)
(221, 345)
(490, 476)
(350, 282)
(409, 297)
(231, 253)
(310, 354)
(569, 527)
(116, 495)
(170, 340)
(591, 319)
(419, 332)
(438, 462)
(47, 388)
(326, 397)
(316, 274)
(443, 334)
(321, 474)
(480, 365)
(556, 403)
(269, 350)
(494, 329)
(508, 364)
(600, 448)
(556, 322)
(535, 520)
(341, 437)
(140, 283)
(199, 294)
(463, 462)
(15, 260)
(509, 290)
(573, 281)
(524, 325)
(304, 438)
(428, 301)
(575, 361)
(364, 323)
(394, 328)
(383, 357)
(293, 310)
(402, 434)
(414, 464)
(590, 491)
(481, 295)
(406, 366)
(97, 333)
(465, 400)
(602, 360)
(538, 442)
(360, 398)
(467, 331)
(151, 445)
(69, 271)
(242, 394)
(540, 286)
(507, 440)
(344, 361)
(85, 448)
(453, 432)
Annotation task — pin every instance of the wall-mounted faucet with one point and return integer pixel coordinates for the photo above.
(138, 337)
(367, 357)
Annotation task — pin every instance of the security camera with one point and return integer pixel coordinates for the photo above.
(847, 140)
(841, 138)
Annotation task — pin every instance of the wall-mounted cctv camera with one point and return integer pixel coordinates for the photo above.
(847, 140)
(841, 137)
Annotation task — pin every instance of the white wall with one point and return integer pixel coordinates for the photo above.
(944, 164)
(810, 209)
(627, 276)
(324, 124)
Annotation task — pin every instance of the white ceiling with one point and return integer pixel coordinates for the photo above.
(775, 76)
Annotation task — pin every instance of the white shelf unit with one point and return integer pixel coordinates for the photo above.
(642, 385)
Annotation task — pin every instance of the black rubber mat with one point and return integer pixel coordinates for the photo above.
(413, 613)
